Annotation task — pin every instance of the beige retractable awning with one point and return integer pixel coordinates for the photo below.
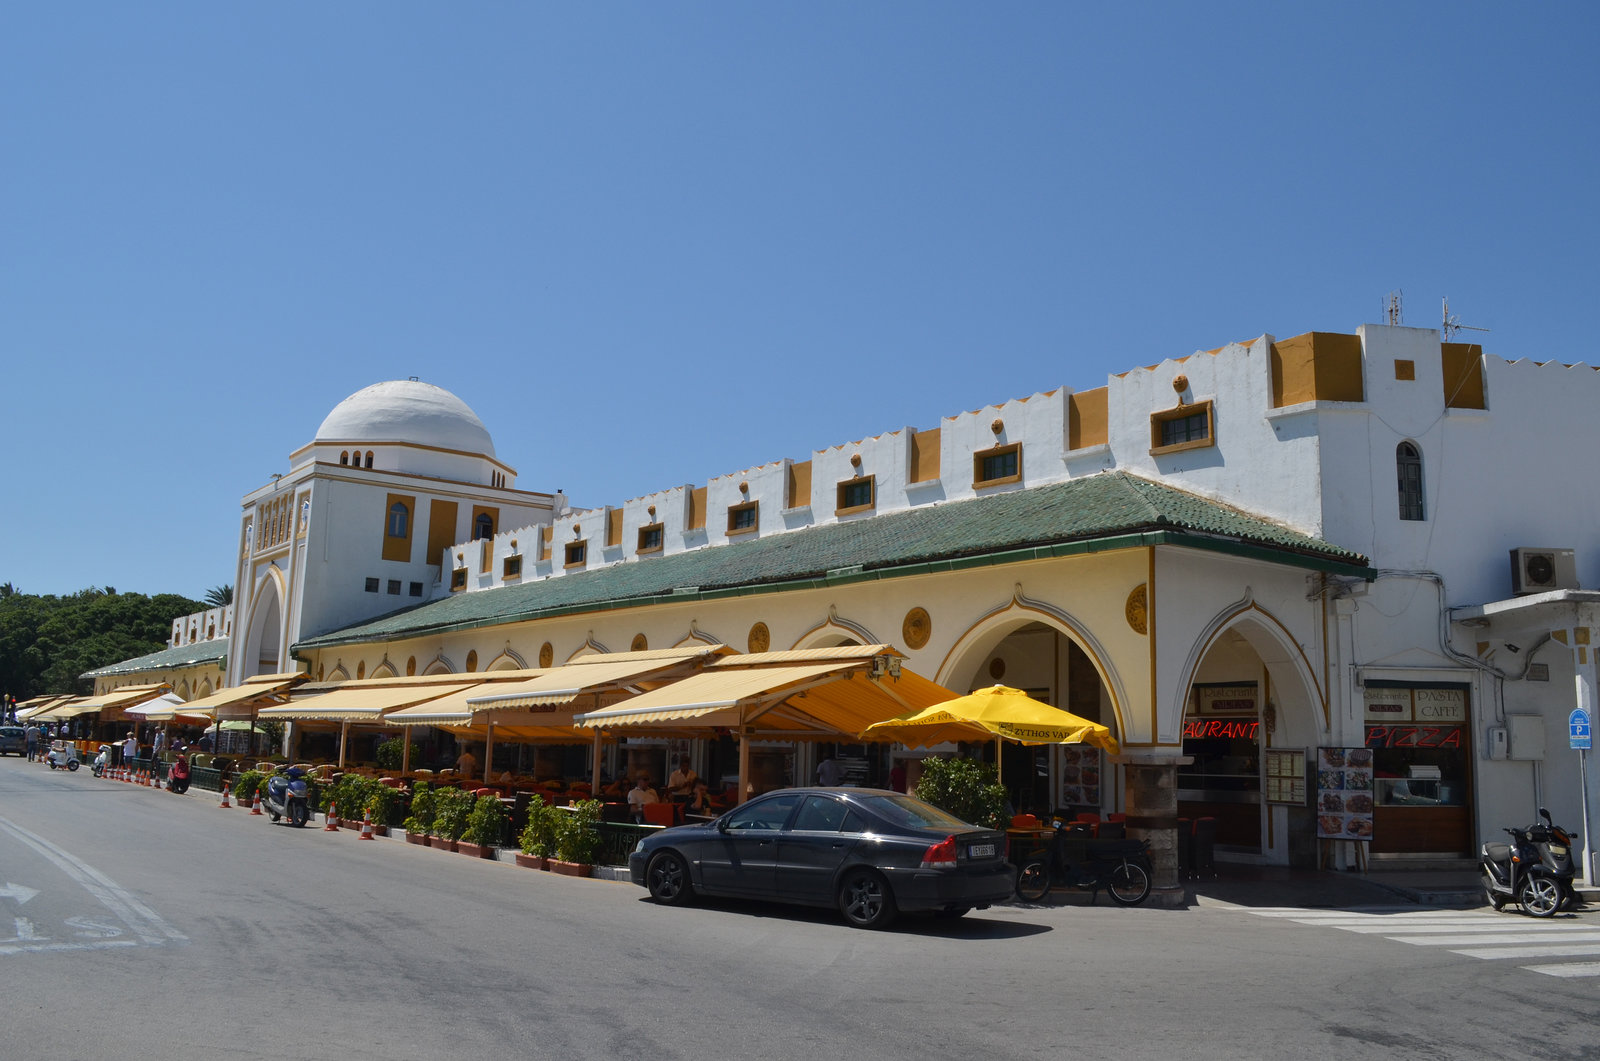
(68, 707)
(38, 705)
(588, 674)
(349, 702)
(241, 701)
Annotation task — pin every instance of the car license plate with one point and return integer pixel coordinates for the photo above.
(981, 851)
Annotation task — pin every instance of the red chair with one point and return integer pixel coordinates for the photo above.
(659, 814)
(1024, 821)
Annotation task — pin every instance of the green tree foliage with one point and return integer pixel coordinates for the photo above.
(965, 788)
(218, 597)
(47, 641)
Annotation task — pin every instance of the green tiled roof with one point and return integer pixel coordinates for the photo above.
(198, 654)
(1110, 510)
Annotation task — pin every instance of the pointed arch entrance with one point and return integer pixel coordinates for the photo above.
(1041, 650)
(1251, 692)
(264, 634)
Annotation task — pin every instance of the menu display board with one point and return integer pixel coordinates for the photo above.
(1344, 793)
(1285, 776)
(1080, 776)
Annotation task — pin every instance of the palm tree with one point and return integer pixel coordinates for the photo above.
(218, 597)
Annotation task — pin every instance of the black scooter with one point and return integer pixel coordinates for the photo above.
(287, 797)
(1535, 870)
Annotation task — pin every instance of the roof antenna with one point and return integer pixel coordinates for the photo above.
(1453, 324)
(1393, 308)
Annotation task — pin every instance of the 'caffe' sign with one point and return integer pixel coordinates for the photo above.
(1439, 705)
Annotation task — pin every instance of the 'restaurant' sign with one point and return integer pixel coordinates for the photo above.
(1225, 699)
(1388, 705)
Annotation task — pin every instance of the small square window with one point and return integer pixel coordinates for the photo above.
(650, 538)
(416, 589)
(742, 519)
(994, 467)
(372, 585)
(458, 579)
(394, 587)
(1185, 427)
(511, 567)
(577, 553)
(856, 495)
(1404, 369)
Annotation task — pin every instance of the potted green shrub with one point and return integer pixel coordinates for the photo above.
(451, 807)
(538, 837)
(391, 753)
(246, 785)
(965, 788)
(578, 839)
(381, 803)
(420, 821)
(485, 824)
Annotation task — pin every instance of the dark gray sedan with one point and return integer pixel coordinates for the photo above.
(12, 739)
(869, 852)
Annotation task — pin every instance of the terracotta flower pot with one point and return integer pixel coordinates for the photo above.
(475, 850)
(417, 838)
(532, 861)
(571, 869)
(443, 843)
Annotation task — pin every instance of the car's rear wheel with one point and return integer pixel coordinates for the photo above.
(865, 899)
(667, 877)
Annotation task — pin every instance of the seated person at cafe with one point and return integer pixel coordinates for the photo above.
(467, 763)
(639, 795)
(681, 783)
(700, 801)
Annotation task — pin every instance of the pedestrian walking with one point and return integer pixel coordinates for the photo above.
(32, 738)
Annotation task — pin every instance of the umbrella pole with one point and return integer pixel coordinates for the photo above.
(999, 759)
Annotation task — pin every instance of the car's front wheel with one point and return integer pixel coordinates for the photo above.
(667, 877)
(865, 899)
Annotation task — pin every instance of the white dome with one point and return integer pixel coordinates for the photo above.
(405, 410)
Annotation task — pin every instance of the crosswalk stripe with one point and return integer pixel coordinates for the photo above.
(1573, 969)
(1462, 940)
(1552, 950)
(1490, 930)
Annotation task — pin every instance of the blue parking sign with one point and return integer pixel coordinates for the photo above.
(1578, 729)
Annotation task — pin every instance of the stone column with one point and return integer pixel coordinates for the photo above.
(1151, 799)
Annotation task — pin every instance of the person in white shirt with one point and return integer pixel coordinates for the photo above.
(639, 795)
(130, 749)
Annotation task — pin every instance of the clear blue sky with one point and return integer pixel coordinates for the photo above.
(651, 243)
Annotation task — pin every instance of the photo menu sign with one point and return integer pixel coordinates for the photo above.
(1344, 793)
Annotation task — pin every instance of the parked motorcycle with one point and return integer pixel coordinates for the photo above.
(62, 755)
(1120, 868)
(101, 761)
(1535, 870)
(287, 796)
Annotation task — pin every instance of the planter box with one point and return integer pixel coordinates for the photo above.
(420, 839)
(475, 850)
(570, 869)
(532, 861)
(442, 843)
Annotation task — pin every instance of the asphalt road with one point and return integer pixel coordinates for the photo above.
(137, 922)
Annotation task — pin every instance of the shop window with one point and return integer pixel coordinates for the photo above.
(1186, 427)
(856, 495)
(650, 538)
(997, 466)
(399, 520)
(577, 553)
(742, 519)
(1408, 471)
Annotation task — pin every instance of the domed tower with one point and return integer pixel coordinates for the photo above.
(395, 474)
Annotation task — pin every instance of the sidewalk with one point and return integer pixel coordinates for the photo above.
(1281, 886)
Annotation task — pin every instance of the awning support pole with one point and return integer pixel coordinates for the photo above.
(405, 749)
(744, 763)
(594, 780)
(488, 753)
(344, 736)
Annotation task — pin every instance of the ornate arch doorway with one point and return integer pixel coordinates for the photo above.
(1038, 655)
(1252, 706)
(264, 637)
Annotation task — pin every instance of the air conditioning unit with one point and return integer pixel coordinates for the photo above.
(1542, 570)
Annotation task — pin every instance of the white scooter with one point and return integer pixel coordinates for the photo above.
(62, 755)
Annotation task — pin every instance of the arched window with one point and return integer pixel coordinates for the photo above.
(1408, 469)
(483, 526)
(369, 458)
(344, 458)
(399, 520)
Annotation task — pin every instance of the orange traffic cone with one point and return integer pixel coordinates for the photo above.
(224, 804)
(127, 775)
(333, 821)
(366, 827)
(255, 805)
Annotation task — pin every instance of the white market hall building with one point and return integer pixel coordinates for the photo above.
(1359, 543)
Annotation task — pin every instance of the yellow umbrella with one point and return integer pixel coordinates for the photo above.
(998, 711)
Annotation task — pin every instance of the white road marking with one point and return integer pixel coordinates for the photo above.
(1464, 939)
(1574, 969)
(144, 922)
(1552, 950)
(17, 892)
